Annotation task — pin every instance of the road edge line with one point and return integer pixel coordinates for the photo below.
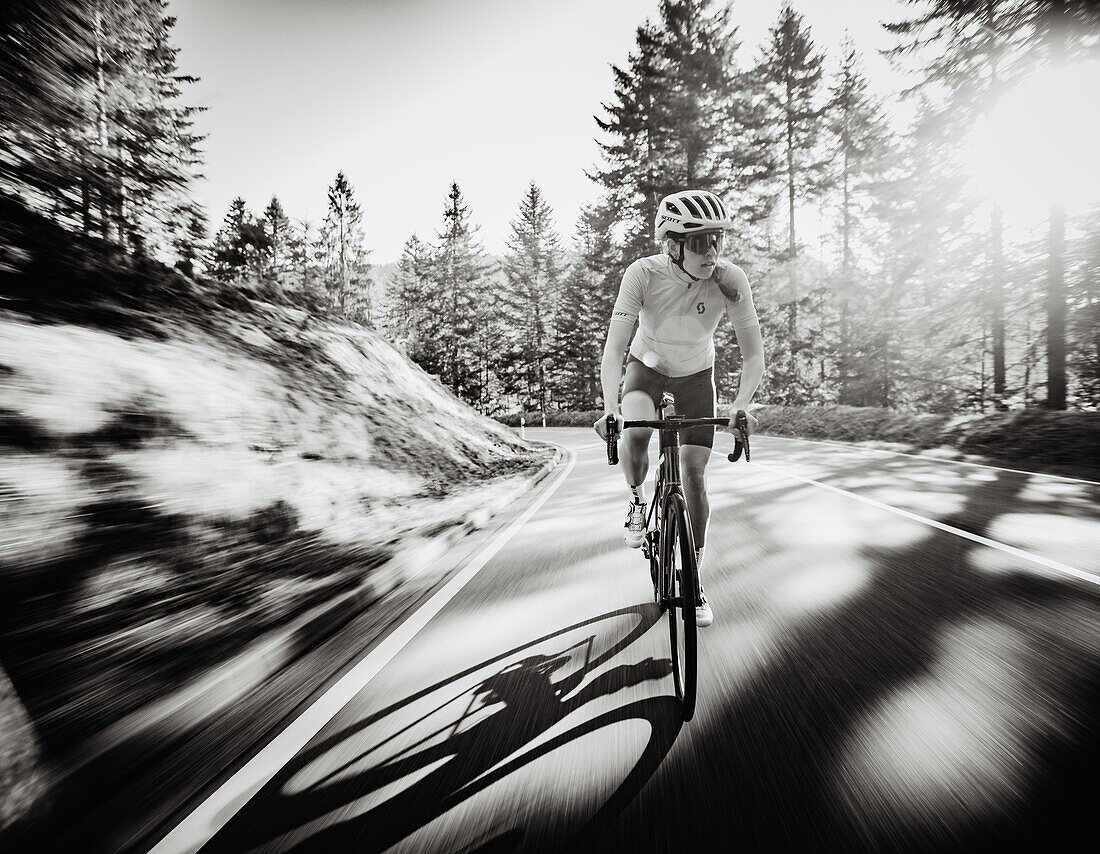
(200, 826)
(1012, 550)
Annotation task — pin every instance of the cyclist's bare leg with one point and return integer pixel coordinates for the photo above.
(634, 445)
(693, 473)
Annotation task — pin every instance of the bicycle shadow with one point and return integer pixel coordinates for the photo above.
(776, 759)
(458, 746)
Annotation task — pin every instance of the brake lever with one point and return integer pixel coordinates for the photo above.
(741, 437)
(612, 441)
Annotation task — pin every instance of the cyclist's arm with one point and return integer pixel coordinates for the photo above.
(746, 325)
(751, 345)
(628, 305)
(611, 368)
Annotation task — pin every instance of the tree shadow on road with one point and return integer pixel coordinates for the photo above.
(773, 770)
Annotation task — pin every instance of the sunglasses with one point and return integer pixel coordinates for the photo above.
(700, 243)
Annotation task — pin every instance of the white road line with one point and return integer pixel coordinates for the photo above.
(210, 816)
(1020, 553)
(849, 447)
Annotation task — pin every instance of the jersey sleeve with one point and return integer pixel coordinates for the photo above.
(629, 301)
(735, 288)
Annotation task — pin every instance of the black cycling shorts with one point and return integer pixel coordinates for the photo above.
(694, 394)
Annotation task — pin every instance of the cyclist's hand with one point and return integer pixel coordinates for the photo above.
(601, 425)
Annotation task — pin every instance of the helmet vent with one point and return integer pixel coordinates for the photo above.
(690, 204)
(709, 206)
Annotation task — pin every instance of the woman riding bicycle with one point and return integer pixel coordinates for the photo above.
(678, 297)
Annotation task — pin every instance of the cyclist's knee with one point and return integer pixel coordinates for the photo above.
(638, 406)
(693, 462)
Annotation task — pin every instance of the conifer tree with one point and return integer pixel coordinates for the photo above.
(859, 139)
(667, 114)
(1083, 323)
(160, 148)
(973, 52)
(240, 246)
(584, 310)
(142, 153)
(91, 107)
(790, 70)
(919, 331)
(533, 269)
(750, 159)
(788, 79)
(277, 229)
(346, 267)
(302, 261)
(411, 311)
(47, 55)
(466, 332)
(187, 227)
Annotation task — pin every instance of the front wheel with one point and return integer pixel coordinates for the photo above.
(680, 575)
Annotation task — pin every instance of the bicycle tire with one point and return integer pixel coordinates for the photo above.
(679, 572)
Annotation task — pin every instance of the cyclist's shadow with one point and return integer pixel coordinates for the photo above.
(450, 763)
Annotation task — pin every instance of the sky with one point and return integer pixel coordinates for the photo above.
(406, 96)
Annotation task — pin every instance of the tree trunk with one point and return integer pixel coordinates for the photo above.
(101, 122)
(1056, 310)
(1056, 285)
(846, 289)
(997, 305)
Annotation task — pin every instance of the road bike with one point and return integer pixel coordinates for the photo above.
(669, 545)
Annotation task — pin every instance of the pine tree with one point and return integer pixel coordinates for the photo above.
(161, 149)
(346, 268)
(533, 269)
(411, 306)
(584, 310)
(303, 274)
(860, 140)
(789, 76)
(1083, 322)
(99, 138)
(276, 225)
(790, 71)
(666, 117)
(465, 333)
(750, 157)
(187, 227)
(43, 109)
(143, 153)
(240, 246)
(919, 332)
(972, 52)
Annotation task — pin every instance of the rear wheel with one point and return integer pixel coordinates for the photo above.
(678, 559)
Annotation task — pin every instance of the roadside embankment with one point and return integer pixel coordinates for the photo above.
(186, 471)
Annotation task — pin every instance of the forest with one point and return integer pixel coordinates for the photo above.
(875, 237)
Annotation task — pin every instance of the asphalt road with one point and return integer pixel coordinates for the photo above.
(905, 657)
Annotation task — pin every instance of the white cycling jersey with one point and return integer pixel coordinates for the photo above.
(677, 317)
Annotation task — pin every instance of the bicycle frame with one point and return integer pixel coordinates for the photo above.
(668, 530)
(668, 469)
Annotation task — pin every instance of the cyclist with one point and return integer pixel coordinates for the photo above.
(677, 297)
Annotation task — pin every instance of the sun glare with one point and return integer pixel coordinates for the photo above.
(1038, 146)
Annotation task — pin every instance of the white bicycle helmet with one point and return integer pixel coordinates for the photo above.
(688, 211)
